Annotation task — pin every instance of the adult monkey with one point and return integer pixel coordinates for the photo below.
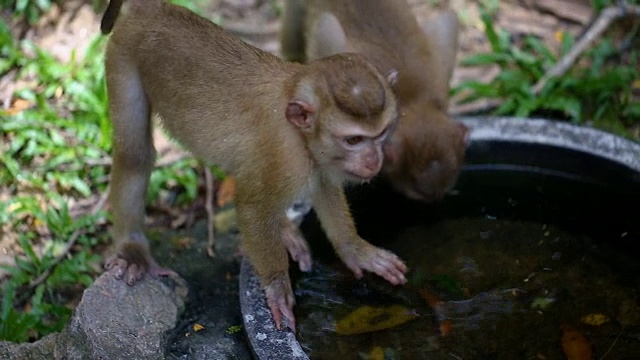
(424, 155)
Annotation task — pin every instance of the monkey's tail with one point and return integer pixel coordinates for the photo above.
(110, 15)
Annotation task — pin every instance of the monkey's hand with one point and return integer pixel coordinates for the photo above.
(296, 245)
(280, 300)
(379, 261)
(133, 260)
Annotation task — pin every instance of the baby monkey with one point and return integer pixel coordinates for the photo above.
(285, 131)
(424, 155)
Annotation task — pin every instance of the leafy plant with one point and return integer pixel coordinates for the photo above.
(47, 152)
(31, 10)
(54, 153)
(595, 92)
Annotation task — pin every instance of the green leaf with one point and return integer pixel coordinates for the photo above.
(567, 43)
(570, 106)
(28, 249)
(508, 107)
(539, 47)
(480, 89)
(492, 36)
(485, 59)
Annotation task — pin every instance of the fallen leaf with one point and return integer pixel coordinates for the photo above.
(377, 353)
(18, 106)
(233, 329)
(225, 221)
(440, 311)
(431, 298)
(183, 242)
(595, 319)
(574, 344)
(367, 319)
(446, 327)
(226, 191)
(542, 303)
(198, 327)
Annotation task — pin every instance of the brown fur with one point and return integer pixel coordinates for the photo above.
(427, 149)
(281, 129)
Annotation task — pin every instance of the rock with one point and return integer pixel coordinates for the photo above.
(113, 321)
(40, 350)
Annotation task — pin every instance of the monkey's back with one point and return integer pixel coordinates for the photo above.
(195, 73)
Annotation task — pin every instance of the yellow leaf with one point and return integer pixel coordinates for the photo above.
(369, 319)
(595, 319)
(198, 327)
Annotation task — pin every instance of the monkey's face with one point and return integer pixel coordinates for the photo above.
(352, 152)
(424, 156)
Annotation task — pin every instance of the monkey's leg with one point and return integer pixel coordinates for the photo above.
(296, 244)
(133, 157)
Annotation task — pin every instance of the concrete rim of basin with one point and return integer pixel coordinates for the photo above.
(268, 343)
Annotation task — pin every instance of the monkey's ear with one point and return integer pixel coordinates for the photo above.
(299, 113)
(392, 77)
(464, 133)
(327, 37)
(442, 30)
(391, 152)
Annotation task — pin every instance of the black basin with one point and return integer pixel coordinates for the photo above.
(546, 171)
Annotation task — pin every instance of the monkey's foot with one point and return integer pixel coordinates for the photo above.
(133, 261)
(296, 246)
(280, 301)
(378, 261)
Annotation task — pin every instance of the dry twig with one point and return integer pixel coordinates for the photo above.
(208, 205)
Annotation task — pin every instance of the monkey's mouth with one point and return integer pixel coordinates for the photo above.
(424, 196)
(359, 178)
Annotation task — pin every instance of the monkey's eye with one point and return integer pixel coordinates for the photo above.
(383, 134)
(354, 140)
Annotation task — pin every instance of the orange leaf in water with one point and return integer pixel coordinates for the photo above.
(226, 192)
(431, 298)
(434, 302)
(574, 344)
(446, 327)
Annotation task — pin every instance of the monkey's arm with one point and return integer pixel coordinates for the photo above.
(332, 209)
(263, 245)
